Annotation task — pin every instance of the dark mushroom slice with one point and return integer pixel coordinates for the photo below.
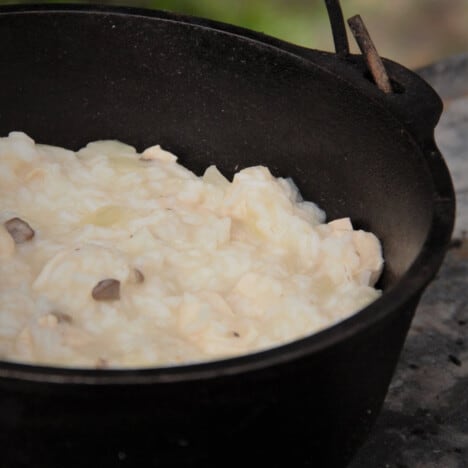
(107, 290)
(19, 230)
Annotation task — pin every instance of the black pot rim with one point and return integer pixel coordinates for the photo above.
(410, 286)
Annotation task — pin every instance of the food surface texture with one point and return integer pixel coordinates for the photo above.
(110, 258)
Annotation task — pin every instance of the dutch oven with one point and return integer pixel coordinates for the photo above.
(218, 94)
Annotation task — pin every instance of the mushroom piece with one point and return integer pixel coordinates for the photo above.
(101, 363)
(20, 230)
(107, 290)
(52, 319)
(136, 276)
(62, 317)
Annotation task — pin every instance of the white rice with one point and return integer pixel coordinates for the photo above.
(229, 268)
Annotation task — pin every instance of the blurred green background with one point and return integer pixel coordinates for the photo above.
(412, 32)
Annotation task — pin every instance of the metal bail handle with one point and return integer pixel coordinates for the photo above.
(363, 39)
(340, 38)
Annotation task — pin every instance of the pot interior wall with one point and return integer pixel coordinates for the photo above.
(215, 98)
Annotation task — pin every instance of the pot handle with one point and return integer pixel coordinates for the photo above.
(408, 96)
(374, 63)
(340, 38)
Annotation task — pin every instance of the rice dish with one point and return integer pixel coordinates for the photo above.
(112, 259)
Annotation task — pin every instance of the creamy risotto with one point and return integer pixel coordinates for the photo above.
(111, 258)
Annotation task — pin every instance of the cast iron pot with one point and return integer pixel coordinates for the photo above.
(217, 94)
